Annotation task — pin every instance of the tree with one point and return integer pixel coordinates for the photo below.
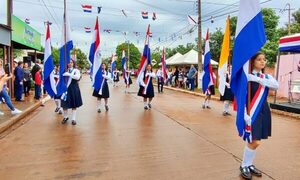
(81, 61)
(216, 39)
(156, 54)
(135, 55)
(296, 17)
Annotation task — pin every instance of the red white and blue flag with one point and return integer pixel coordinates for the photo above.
(95, 59)
(64, 59)
(164, 65)
(124, 67)
(87, 29)
(250, 38)
(145, 60)
(49, 81)
(208, 78)
(87, 8)
(145, 15)
(290, 43)
(113, 65)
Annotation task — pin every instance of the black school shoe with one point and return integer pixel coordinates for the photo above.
(106, 107)
(64, 120)
(255, 171)
(149, 105)
(245, 173)
(74, 122)
(56, 110)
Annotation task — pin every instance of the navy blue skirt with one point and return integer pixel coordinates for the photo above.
(105, 91)
(129, 79)
(74, 99)
(149, 91)
(262, 126)
(228, 95)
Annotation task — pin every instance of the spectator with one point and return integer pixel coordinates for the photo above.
(192, 77)
(176, 74)
(18, 83)
(160, 80)
(38, 84)
(3, 93)
(27, 79)
(180, 78)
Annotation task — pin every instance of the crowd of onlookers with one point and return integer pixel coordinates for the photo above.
(24, 78)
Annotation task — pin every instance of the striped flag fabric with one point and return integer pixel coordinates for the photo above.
(164, 65)
(250, 38)
(208, 78)
(87, 8)
(223, 63)
(49, 81)
(290, 43)
(124, 67)
(95, 59)
(144, 15)
(64, 58)
(87, 29)
(146, 56)
(113, 65)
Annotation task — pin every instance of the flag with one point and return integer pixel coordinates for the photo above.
(49, 82)
(146, 56)
(64, 57)
(124, 66)
(87, 8)
(154, 16)
(113, 65)
(27, 21)
(223, 63)
(87, 29)
(193, 20)
(164, 65)
(95, 59)
(250, 37)
(107, 30)
(208, 79)
(145, 15)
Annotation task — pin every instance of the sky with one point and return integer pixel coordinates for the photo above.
(170, 29)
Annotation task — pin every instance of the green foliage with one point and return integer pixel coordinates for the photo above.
(181, 49)
(135, 55)
(156, 54)
(296, 16)
(216, 39)
(82, 61)
(270, 50)
(55, 55)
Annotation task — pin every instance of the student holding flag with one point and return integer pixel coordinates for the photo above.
(253, 113)
(161, 74)
(103, 93)
(114, 71)
(224, 70)
(126, 73)
(145, 74)
(208, 79)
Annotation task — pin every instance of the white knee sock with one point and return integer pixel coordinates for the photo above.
(248, 158)
(59, 103)
(226, 106)
(56, 102)
(65, 113)
(98, 104)
(145, 104)
(74, 114)
(207, 102)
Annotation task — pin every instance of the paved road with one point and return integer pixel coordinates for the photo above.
(174, 140)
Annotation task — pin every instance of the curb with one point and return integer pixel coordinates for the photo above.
(278, 112)
(7, 124)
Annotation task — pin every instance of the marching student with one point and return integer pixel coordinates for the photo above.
(160, 80)
(116, 75)
(210, 91)
(103, 93)
(57, 98)
(127, 80)
(259, 124)
(73, 98)
(228, 95)
(146, 86)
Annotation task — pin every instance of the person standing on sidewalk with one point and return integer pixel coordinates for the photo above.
(27, 79)
(260, 125)
(192, 77)
(38, 84)
(18, 82)
(72, 97)
(146, 87)
(103, 93)
(3, 93)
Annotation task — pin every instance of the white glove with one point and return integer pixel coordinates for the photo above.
(253, 78)
(66, 74)
(227, 85)
(247, 119)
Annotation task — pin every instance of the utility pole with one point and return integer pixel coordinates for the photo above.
(289, 11)
(200, 66)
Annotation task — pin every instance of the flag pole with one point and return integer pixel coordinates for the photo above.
(65, 34)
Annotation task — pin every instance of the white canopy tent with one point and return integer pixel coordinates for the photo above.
(170, 59)
(189, 58)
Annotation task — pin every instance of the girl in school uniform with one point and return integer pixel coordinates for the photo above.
(73, 98)
(260, 125)
(57, 98)
(116, 75)
(127, 80)
(103, 93)
(228, 95)
(210, 91)
(146, 86)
